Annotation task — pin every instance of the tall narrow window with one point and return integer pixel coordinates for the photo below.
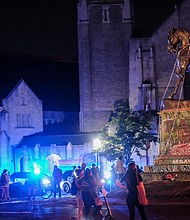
(146, 86)
(23, 101)
(105, 14)
(24, 120)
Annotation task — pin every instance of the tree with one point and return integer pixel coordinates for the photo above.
(126, 132)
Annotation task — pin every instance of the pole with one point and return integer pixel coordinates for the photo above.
(97, 157)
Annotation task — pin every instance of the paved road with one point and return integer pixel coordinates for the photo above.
(66, 209)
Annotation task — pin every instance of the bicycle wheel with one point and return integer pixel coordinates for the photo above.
(46, 192)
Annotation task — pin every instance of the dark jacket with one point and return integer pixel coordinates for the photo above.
(57, 174)
(131, 180)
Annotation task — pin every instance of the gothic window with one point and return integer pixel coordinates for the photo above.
(69, 150)
(105, 14)
(146, 86)
(24, 121)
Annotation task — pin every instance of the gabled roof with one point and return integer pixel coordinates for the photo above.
(17, 85)
(59, 140)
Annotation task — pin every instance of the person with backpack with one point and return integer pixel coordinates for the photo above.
(5, 185)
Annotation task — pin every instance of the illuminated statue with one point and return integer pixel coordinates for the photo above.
(178, 43)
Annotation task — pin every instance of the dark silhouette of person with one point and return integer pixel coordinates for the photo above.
(130, 177)
(57, 177)
(5, 185)
(83, 166)
(95, 171)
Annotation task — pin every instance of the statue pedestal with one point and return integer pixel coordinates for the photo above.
(174, 131)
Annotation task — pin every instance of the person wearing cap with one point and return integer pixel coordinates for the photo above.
(5, 185)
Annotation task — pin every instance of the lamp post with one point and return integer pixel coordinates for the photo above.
(97, 144)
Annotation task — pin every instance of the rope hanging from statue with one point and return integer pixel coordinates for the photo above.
(176, 113)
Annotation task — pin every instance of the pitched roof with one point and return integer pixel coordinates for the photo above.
(59, 140)
(17, 85)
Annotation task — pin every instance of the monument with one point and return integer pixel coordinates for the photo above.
(174, 127)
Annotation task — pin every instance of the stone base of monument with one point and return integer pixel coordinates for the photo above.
(174, 158)
(149, 177)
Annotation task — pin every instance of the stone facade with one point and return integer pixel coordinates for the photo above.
(45, 151)
(103, 38)
(24, 144)
(175, 135)
(115, 65)
(21, 115)
(174, 142)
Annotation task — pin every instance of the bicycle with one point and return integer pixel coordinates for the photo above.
(45, 188)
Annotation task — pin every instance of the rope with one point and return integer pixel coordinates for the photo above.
(174, 121)
(178, 104)
(169, 81)
(161, 154)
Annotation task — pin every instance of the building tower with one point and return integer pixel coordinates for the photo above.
(104, 30)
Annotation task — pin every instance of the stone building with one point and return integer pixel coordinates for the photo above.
(21, 115)
(31, 137)
(115, 62)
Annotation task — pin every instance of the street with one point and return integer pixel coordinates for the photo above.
(66, 209)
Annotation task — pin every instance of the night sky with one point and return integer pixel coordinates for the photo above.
(38, 43)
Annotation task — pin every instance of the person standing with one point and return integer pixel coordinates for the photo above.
(88, 186)
(78, 196)
(119, 168)
(83, 166)
(132, 178)
(95, 171)
(113, 177)
(5, 185)
(57, 177)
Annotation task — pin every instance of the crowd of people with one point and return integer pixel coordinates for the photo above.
(88, 184)
(86, 187)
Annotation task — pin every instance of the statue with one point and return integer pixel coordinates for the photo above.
(179, 43)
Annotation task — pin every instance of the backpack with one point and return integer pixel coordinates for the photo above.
(74, 188)
(3, 180)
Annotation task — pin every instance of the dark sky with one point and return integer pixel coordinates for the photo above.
(38, 43)
(150, 14)
(39, 27)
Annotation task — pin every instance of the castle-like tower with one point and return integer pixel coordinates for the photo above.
(104, 30)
